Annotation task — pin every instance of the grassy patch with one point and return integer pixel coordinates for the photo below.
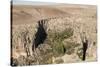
(56, 40)
(58, 48)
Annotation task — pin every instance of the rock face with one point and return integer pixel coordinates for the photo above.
(58, 37)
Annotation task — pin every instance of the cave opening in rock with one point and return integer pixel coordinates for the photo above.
(40, 35)
(85, 46)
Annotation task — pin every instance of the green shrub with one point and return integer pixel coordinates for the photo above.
(58, 48)
(56, 40)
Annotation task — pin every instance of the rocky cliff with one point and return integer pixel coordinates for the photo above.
(50, 35)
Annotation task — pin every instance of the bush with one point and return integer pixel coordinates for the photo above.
(58, 48)
(56, 40)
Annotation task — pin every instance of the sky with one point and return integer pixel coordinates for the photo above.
(45, 2)
(32, 2)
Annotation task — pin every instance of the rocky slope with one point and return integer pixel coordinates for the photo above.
(64, 27)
